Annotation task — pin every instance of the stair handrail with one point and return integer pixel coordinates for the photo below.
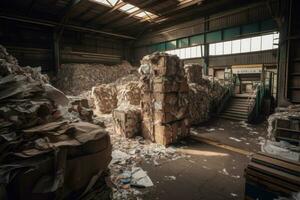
(250, 100)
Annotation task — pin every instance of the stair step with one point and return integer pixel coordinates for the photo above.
(235, 115)
(239, 105)
(232, 118)
(243, 107)
(236, 112)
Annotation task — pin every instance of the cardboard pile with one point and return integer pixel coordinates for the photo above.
(204, 94)
(127, 121)
(75, 78)
(40, 150)
(105, 97)
(164, 100)
(193, 73)
(129, 92)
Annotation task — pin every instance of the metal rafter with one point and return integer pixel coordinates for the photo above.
(168, 12)
(102, 15)
(141, 7)
(68, 26)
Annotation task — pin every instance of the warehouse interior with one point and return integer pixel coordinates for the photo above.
(149, 99)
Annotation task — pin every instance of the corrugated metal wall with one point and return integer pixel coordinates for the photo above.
(33, 46)
(246, 15)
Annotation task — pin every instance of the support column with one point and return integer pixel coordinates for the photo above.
(206, 47)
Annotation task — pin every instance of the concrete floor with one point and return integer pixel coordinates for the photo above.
(234, 133)
(211, 173)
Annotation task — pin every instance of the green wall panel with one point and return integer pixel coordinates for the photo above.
(170, 45)
(250, 28)
(196, 40)
(214, 36)
(231, 33)
(268, 25)
(184, 42)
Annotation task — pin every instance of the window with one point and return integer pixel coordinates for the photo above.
(236, 46)
(196, 40)
(256, 43)
(245, 45)
(171, 45)
(231, 33)
(129, 8)
(193, 52)
(184, 42)
(219, 48)
(267, 42)
(212, 49)
(227, 47)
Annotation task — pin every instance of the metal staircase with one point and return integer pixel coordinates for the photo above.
(237, 109)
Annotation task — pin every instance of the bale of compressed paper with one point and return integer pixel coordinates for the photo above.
(105, 97)
(199, 104)
(193, 72)
(127, 121)
(74, 79)
(164, 100)
(129, 92)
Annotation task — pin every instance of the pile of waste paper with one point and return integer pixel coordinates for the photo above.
(125, 91)
(204, 94)
(42, 147)
(282, 148)
(74, 79)
(164, 101)
(105, 97)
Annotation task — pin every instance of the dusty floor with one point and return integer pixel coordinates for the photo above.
(234, 133)
(211, 173)
(204, 172)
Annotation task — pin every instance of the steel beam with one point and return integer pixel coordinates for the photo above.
(68, 26)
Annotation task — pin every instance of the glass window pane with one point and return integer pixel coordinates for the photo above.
(212, 49)
(227, 47)
(182, 53)
(177, 52)
(219, 48)
(267, 42)
(193, 52)
(184, 42)
(199, 51)
(203, 50)
(236, 46)
(196, 40)
(188, 52)
(245, 45)
(256, 43)
(171, 45)
(268, 25)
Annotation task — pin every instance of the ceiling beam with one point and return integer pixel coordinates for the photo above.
(102, 15)
(168, 12)
(142, 6)
(53, 24)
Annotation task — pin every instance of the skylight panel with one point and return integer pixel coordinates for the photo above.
(141, 15)
(129, 8)
(104, 2)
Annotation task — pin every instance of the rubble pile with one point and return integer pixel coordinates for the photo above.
(105, 98)
(33, 123)
(74, 79)
(164, 100)
(79, 105)
(204, 94)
